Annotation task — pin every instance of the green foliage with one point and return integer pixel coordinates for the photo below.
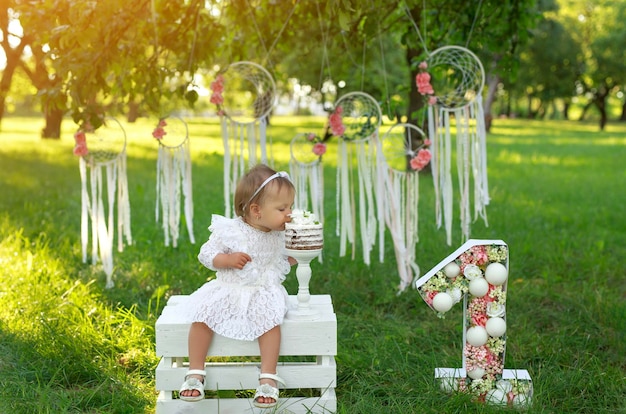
(68, 345)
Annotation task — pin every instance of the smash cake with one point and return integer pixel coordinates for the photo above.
(304, 232)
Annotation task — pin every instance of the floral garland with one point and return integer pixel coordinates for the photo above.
(319, 147)
(159, 132)
(217, 91)
(481, 272)
(424, 87)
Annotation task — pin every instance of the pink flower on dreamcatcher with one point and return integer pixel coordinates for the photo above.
(217, 89)
(80, 149)
(422, 158)
(159, 131)
(336, 123)
(319, 148)
(424, 87)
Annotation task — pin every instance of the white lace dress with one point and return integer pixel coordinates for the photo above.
(242, 304)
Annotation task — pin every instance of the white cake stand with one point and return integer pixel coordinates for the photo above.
(303, 273)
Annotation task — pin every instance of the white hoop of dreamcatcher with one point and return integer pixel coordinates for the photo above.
(245, 94)
(103, 176)
(173, 178)
(399, 195)
(458, 78)
(356, 121)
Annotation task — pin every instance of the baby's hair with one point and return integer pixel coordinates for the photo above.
(251, 181)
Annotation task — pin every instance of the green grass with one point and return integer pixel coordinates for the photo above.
(67, 345)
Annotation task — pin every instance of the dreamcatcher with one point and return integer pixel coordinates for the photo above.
(103, 182)
(398, 163)
(244, 94)
(173, 178)
(305, 169)
(452, 79)
(356, 120)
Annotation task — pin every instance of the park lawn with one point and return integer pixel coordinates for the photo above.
(68, 345)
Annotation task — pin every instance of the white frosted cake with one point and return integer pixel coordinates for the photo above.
(304, 232)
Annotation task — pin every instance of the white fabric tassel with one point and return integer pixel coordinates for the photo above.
(252, 143)
(401, 199)
(479, 158)
(227, 166)
(84, 210)
(446, 177)
(113, 185)
(187, 189)
(174, 181)
(463, 168)
(163, 188)
(123, 202)
(345, 205)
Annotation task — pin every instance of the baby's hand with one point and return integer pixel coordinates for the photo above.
(238, 260)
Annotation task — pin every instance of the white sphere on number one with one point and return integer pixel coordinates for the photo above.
(452, 270)
(476, 336)
(496, 274)
(496, 327)
(496, 397)
(478, 287)
(476, 373)
(442, 302)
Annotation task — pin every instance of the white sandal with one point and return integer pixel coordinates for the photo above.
(193, 384)
(267, 391)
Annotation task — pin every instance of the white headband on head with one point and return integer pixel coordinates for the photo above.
(282, 174)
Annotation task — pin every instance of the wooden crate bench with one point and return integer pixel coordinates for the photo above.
(309, 348)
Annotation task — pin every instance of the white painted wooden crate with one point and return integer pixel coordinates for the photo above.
(310, 348)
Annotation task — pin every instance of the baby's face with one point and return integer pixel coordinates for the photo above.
(275, 211)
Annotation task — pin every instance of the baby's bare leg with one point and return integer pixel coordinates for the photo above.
(200, 337)
(269, 347)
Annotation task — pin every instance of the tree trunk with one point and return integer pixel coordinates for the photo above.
(133, 112)
(585, 109)
(623, 116)
(416, 103)
(601, 104)
(566, 111)
(492, 87)
(7, 77)
(54, 117)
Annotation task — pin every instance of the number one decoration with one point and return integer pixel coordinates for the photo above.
(477, 273)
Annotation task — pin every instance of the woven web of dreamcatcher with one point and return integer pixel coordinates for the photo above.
(361, 116)
(106, 143)
(399, 195)
(174, 180)
(457, 76)
(249, 92)
(104, 194)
